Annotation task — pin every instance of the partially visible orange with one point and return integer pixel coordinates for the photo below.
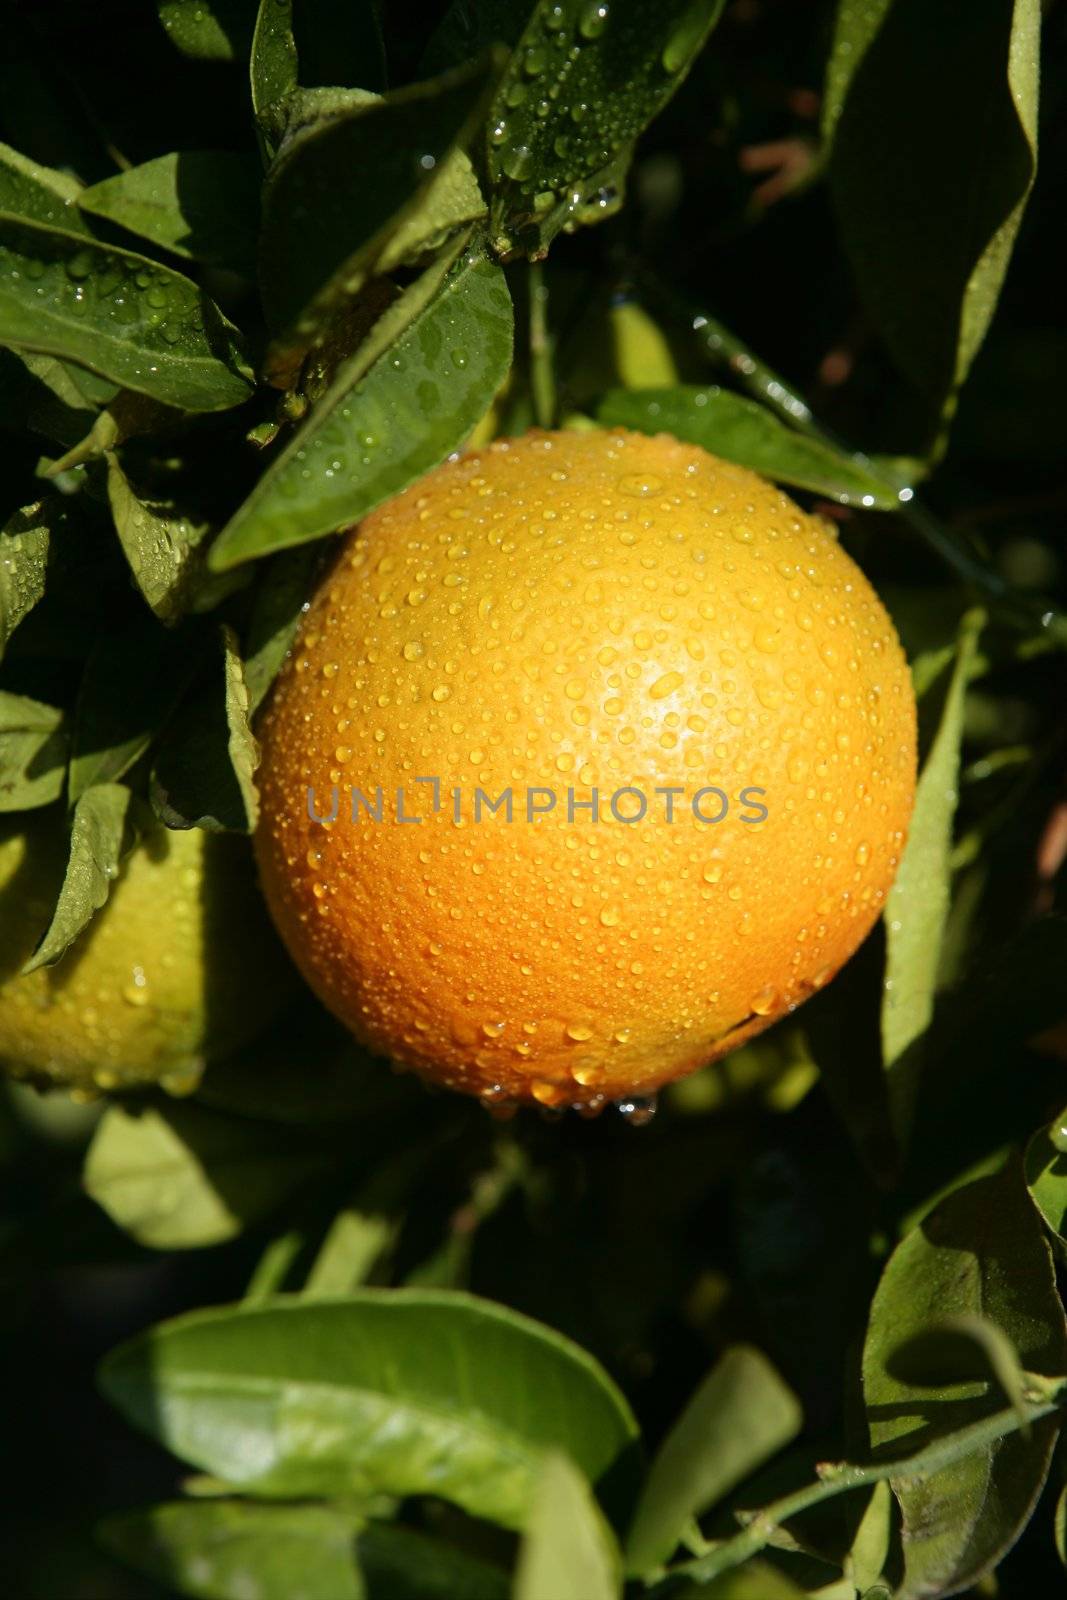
(584, 610)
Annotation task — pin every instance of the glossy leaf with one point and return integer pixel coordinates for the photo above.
(159, 542)
(978, 1253)
(217, 1549)
(39, 194)
(33, 752)
(204, 775)
(179, 1177)
(568, 1551)
(24, 541)
(272, 65)
(584, 80)
(740, 1417)
(930, 180)
(325, 229)
(917, 904)
(203, 204)
(100, 835)
(209, 30)
(740, 430)
(412, 393)
(119, 314)
(1046, 1174)
(118, 712)
(395, 1392)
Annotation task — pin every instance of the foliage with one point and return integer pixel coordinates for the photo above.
(262, 266)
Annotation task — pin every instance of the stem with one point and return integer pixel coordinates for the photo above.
(542, 373)
(841, 1478)
(273, 1265)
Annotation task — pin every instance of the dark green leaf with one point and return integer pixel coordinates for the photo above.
(856, 24)
(1060, 1526)
(33, 753)
(24, 541)
(585, 79)
(568, 1551)
(203, 204)
(316, 193)
(917, 904)
(1046, 1174)
(399, 1564)
(412, 393)
(930, 179)
(281, 594)
(178, 1177)
(160, 543)
(961, 1346)
(100, 836)
(741, 1415)
(39, 194)
(132, 681)
(395, 1392)
(204, 774)
(340, 45)
(209, 30)
(979, 1253)
(54, 399)
(273, 65)
(740, 430)
(120, 315)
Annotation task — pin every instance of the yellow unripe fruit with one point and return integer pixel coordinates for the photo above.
(555, 615)
(180, 964)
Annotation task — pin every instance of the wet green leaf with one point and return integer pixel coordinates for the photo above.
(740, 430)
(316, 192)
(119, 314)
(178, 1177)
(209, 30)
(101, 834)
(930, 181)
(159, 542)
(203, 204)
(215, 1549)
(917, 904)
(33, 753)
(1046, 1174)
(740, 1417)
(979, 1253)
(584, 80)
(24, 541)
(39, 194)
(357, 1396)
(568, 1551)
(281, 593)
(272, 66)
(413, 392)
(204, 774)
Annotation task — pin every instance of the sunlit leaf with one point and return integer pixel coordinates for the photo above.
(101, 833)
(568, 1551)
(203, 204)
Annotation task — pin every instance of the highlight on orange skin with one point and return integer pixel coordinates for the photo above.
(570, 612)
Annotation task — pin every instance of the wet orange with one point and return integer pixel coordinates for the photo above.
(567, 613)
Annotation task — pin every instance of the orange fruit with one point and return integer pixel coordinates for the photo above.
(180, 965)
(560, 614)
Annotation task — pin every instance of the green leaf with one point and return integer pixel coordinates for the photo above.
(218, 1549)
(961, 1346)
(757, 1580)
(33, 753)
(203, 204)
(119, 314)
(933, 157)
(1046, 1174)
(209, 30)
(917, 904)
(741, 430)
(160, 543)
(178, 1177)
(1060, 1526)
(53, 399)
(316, 193)
(740, 1417)
(24, 541)
(347, 1255)
(204, 775)
(584, 80)
(101, 834)
(281, 594)
(568, 1551)
(980, 1253)
(132, 681)
(272, 66)
(870, 1546)
(412, 393)
(385, 1391)
(39, 194)
(856, 25)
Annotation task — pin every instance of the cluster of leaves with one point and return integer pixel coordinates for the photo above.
(230, 326)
